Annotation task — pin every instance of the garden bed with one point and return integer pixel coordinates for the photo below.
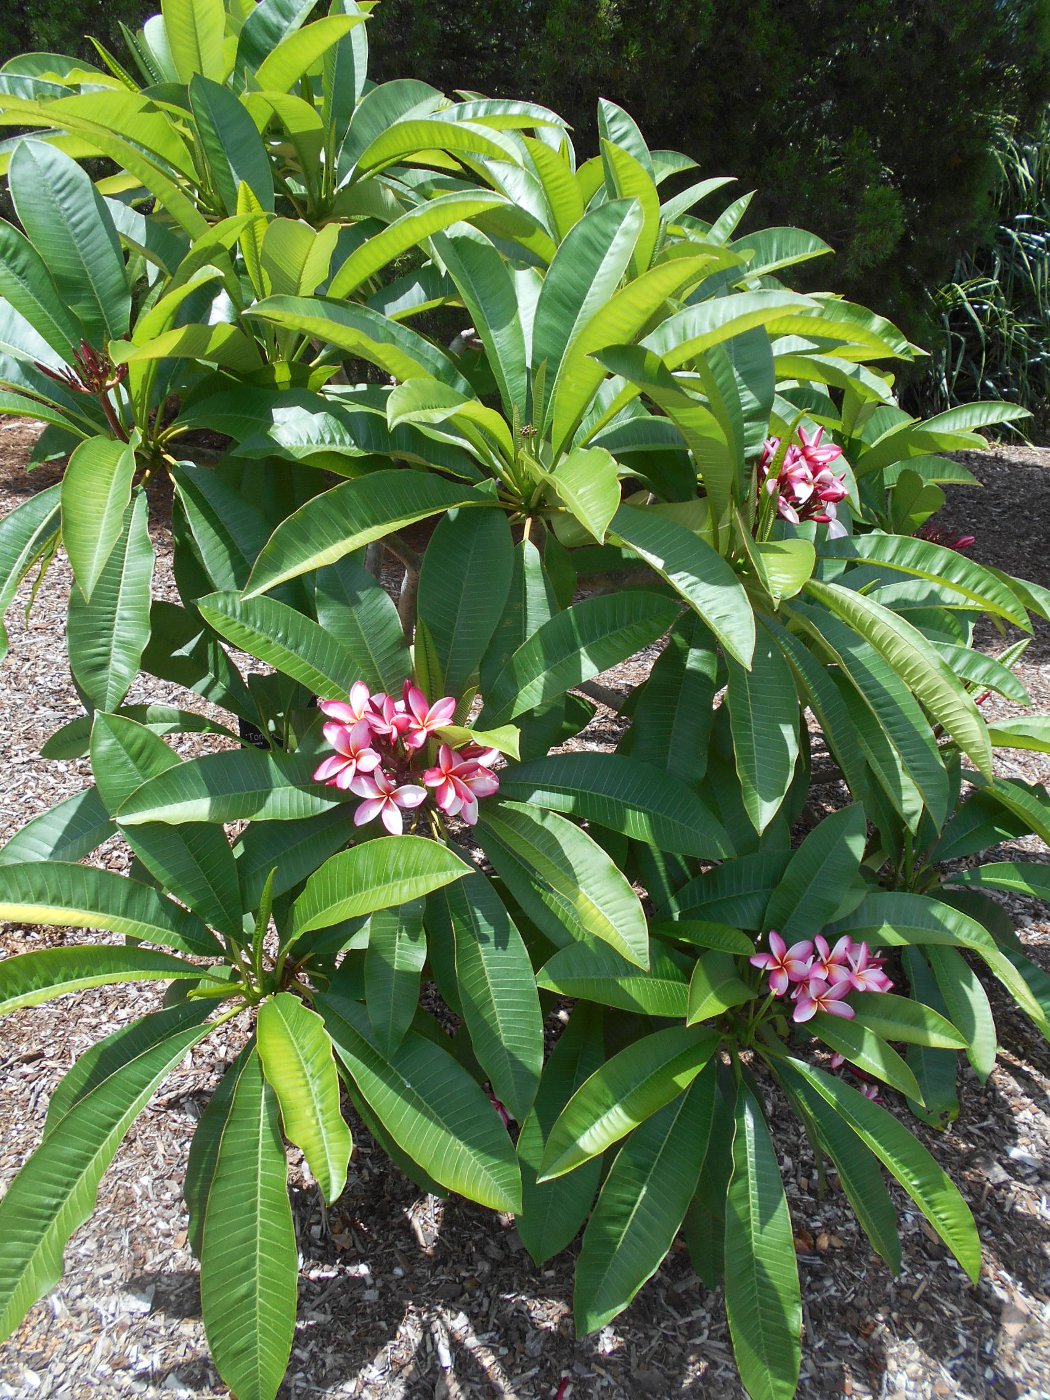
(408, 1296)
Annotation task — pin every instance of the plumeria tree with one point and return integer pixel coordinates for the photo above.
(407, 847)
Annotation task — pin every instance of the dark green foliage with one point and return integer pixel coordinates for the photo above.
(60, 26)
(871, 124)
(992, 319)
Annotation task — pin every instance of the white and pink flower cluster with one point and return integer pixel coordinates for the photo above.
(805, 486)
(379, 744)
(820, 977)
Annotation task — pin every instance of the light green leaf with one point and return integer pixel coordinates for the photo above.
(622, 794)
(350, 516)
(24, 533)
(296, 1056)
(388, 871)
(596, 897)
(628, 1088)
(715, 986)
(430, 1106)
(107, 636)
(642, 1204)
(68, 831)
(574, 646)
(195, 31)
(394, 958)
(249, 1260)
(595, 972)
(930, 679)
(587, 482)
(496, 986)
(96, 490)
(79, 896)
(33, 978)
(761, 1276)
(907, 1160)
(238, 785)
(702, 577)
(868, 1051)
(901, 1018)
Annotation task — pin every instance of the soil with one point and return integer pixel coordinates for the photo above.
(410, 1296)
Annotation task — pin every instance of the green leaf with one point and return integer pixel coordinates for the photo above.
(378, 875)
(819, 874)
(296, 1056)
(868, 1051)
(283, 638)
(459, 616)
(227, 528)
(96, 490)
(195, 31)
(901, 1018)
(736, 893)
(672, 720)
(587, 482)
(204, 1149)
(496, 987)
(699, 934)
(763, 1300)
(193, 862)
(266, 26)
(701, 576)
(715, 986)
(24, 533)
(1024, 732)
(230, 141)
(553, 1211)
(107, 636)
(594, 972)
(967, 1003)
(574, 646)
(68, 831)
(350, 516)
(27, 286)
(430, 1106)
(410, 231)
(929, 678)
(359, 614)
(249, 1259)
(33, 978)
(299, 52)
(293, 849)
(642, 1204)
(583, 880)
(627, 1089)
(79, 896)
(858, 1169)
(394, 958)
(405, 138)
(238, 785)
(486, 285)
(361, 333)
(583, 274)
(54, 1193)
(908, 1161)
(899, 919)
(1026, 877)
(67, 221)
(764, 721)
(623, 794)
(945, 567)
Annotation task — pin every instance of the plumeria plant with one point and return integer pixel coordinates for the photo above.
(407, 849)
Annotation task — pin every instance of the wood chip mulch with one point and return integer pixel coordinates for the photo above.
(403, 1296)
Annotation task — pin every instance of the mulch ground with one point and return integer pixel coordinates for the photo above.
(407, 1296)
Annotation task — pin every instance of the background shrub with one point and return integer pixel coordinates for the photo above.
(871, 124)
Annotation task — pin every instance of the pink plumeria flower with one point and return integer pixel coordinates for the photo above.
(865, 972)
(384, 799)
(870, 1091)
(424, 718)
(352, 754)
(941, 537)
(817, 457)
(458, 784)
(349, 711)
(819, 995)
(387, 717)
(784, 965)
(831, 963)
